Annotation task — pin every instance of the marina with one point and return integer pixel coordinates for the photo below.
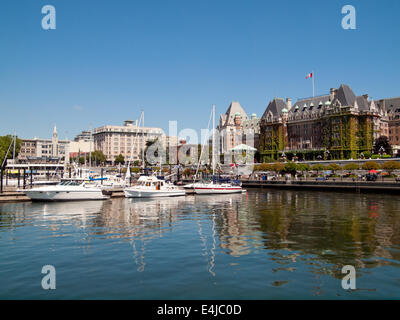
(199, 151)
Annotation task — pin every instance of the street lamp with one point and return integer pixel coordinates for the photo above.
(381, 150)
(327, 153)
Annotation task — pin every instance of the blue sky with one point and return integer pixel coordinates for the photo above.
(107, 60)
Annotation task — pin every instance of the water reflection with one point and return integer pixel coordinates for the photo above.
(320, 230)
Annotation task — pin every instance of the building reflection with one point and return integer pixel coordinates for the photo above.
(318, 228)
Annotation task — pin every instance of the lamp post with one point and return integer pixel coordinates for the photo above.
(381, 151)
(283, 156)
(327, 153)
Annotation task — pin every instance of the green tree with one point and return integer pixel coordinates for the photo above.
(5, 142)
(120, 159)
(318, 167)
(277, 167)
(98, 157)
(351, 166)
(334, 167)
(303, 167)
(265, 167)
(187, 172)
(290, 167)
(370, 165)
(390, 166)
(382, 145)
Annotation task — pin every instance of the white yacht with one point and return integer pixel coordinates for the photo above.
(216, 188)
(151, 186)
(67, 190)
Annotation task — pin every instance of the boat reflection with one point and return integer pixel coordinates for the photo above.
(287, 227)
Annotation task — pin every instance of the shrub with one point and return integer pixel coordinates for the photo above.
(334, 167)
(290, 167)
(303, 167)
(318, 167)
(375, 156)
(390, 166)
(351, 166)
(367, 154)
(277, 167)
(370, 165)
(265, 167)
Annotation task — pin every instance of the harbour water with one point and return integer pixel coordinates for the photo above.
(266, 244)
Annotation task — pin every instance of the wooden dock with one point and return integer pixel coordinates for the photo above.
(13, 196)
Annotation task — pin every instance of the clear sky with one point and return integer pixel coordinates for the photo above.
(107, 60)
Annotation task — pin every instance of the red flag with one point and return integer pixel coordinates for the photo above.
(310, 75)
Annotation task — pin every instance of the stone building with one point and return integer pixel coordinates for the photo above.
(235, 128)
(339, 125)
(44, 149)
(392, 107)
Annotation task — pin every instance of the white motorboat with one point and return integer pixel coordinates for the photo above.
(67, 190)
(151, 187)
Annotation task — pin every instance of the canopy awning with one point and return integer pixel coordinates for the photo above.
(243, 147)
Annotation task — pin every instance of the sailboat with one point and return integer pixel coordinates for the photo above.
(215, 186)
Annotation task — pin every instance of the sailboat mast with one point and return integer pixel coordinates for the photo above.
(90, 145)
(15, 141)
(213, 138)
(143, 165)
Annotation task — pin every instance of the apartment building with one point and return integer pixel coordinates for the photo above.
(127, 139)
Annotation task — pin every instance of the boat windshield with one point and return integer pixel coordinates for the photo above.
(69, 183)
(151, 183)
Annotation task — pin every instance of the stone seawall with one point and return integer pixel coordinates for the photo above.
(358, 186)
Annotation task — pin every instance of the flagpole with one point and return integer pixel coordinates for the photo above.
(313, 74)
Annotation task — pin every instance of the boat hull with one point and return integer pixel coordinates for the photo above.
(153, 194)
(36, 195)
(217, 190)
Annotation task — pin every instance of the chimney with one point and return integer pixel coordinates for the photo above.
(289, 103)
(333, 92)
(366, 96)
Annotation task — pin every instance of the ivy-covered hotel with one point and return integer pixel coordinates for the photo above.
(339, 125)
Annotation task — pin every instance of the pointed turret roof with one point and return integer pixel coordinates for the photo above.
(275, 107)
(345, 96)
(233, 109)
